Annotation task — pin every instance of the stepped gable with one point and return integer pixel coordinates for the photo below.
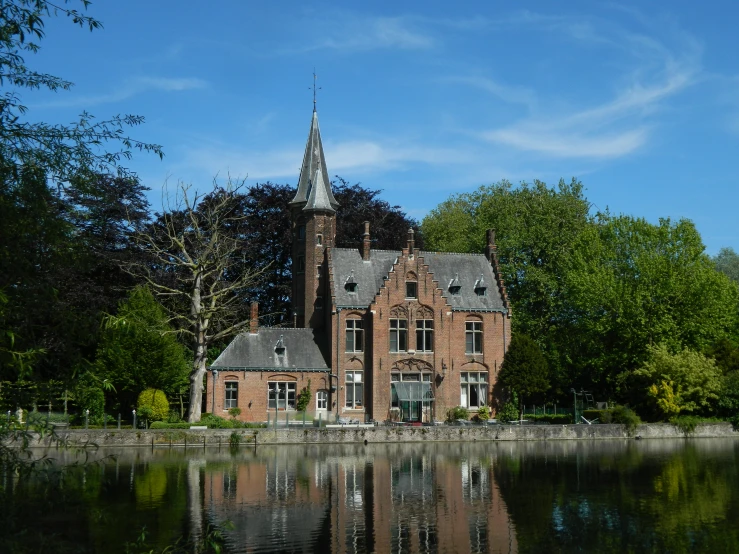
(304, 349)
(472, 272)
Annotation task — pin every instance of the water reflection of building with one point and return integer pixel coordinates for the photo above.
(398, 501)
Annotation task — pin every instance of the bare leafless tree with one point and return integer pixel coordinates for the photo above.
(188, 257)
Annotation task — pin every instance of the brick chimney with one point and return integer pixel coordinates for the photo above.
(366, 242)
(490, 247)
(411, 242)
(254, 321)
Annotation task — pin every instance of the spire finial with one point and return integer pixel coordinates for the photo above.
(314, 88)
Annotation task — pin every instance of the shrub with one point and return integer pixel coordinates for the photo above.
(509, 411)
(459, 412)
(215, 422)
(627, 417)
(173, 416)
(157, 401)
(686, 424)
(561, 419)
(483, 414)
(304, 398)
(167, 425)
(234, 412)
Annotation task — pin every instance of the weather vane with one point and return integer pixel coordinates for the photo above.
(314, 88)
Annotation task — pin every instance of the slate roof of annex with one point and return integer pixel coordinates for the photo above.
(370, 276)
(256, 351)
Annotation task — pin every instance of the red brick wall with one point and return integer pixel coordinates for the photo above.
(252, 392)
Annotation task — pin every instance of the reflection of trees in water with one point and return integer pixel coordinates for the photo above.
(658, 496)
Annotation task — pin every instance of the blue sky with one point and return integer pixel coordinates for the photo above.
(639, 101)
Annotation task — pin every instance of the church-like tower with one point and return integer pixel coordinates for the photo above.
(313, 230)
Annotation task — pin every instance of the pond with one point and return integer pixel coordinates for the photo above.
(565, 496)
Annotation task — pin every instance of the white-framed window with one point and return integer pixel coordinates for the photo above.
(281, 395)
(406, 378)
(354, 390)
(398, 335)
(232, 395)
(322, 400)
(474, 389)
(424, 335)
(473, 337)
(319, 240)
(354, 335)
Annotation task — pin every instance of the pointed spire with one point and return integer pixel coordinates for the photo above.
(314, 186)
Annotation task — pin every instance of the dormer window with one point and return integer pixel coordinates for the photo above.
(280, 346)
(480, 286)
(455, 286)
(350, 285)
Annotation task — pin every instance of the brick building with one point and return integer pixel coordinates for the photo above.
(380, 335)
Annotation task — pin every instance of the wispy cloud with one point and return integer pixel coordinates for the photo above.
(132, 87)
(350, 155)
(615, 127)
(350, 33)
(512, 94)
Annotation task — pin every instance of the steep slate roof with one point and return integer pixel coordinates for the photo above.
(313, 172)
(256, 351)
(370, 275)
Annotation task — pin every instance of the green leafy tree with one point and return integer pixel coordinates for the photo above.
(524, 368)
(631, 284)
(728, 403)
(727, 262)
(537, 227)
(138, 349)
(726, 354)
(59, 150)
(304, 398)
(685, 382)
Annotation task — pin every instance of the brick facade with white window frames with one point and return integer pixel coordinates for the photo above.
(383, 335)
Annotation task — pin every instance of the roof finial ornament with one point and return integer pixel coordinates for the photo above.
(314, 88)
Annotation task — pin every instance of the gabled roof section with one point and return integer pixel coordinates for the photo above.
(282, 349)
(368, 275)
(314, 175)
(465, 270)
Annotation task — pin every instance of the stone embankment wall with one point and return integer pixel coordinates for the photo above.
(353, 435)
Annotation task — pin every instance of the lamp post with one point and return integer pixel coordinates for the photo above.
(214, 373)
(134, 418)
(87, 418)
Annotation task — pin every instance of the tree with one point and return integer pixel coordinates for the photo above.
(138, 350)
(267, 247)
(388, 224)
(537, 227)
(684, 382)
(60, 150)
(727, 262)
(194, 272)
(524, 369)
(631, 284)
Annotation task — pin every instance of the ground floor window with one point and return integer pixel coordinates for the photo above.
(281, 395)
(354, 389)
(322, 400)
(232, 395)
(474, 389)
